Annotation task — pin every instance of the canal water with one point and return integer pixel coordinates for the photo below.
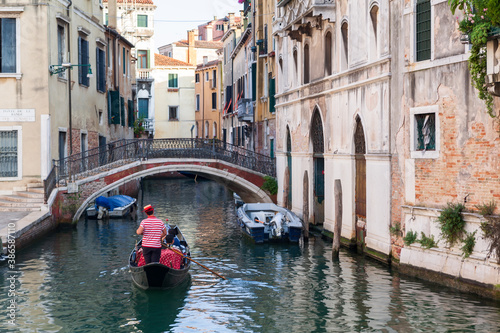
(78, 281)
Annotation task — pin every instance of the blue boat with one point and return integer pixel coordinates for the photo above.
(116, 206)
(265, 222)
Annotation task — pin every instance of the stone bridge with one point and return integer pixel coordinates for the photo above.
(78, 180)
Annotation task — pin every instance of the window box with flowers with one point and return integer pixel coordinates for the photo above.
(479, 25)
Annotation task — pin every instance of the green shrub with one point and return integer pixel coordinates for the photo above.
(427, 242)
(410, 238)
(486, 208)
(469, 243)
(270, 185)
(452, 223)
(491, 231)
(395, 229)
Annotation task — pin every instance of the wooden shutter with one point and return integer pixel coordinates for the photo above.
(272, 92)
(423, 30)
(122, 111)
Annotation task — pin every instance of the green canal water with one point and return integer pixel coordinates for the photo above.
(78, 281)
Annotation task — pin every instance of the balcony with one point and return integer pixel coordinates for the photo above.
(245, 110)
(144, 74)
(149, 124)
(297, 20)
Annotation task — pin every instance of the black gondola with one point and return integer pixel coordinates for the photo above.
(158, 275)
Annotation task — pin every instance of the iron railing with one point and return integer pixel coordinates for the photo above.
(117, 153)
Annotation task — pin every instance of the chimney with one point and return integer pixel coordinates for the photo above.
(231, 20)
(112, 14)
(191, 49)
(205, 60)
(209, 32)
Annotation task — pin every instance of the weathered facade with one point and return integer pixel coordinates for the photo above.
(174, 86)
(333, 107)
(207, 100)
(51, 106)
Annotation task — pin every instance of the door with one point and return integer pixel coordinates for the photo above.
(143, 108)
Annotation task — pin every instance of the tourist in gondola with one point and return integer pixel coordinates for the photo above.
(153, 231)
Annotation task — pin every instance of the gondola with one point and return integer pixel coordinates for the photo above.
(162, 275)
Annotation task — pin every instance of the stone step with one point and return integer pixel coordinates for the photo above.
(19, 209)
(30, 185)
(19, 188)
(28, 194)
(6, 203)
(36, 190)
(17, 198)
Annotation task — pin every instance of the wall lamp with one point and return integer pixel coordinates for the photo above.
(56, 69)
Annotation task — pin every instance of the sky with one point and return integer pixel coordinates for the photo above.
(173, 18)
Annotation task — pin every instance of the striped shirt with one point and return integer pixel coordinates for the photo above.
(151, 236)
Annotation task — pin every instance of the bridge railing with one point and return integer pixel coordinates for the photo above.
(117, 153)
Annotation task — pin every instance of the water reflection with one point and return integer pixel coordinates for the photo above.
(78, 281)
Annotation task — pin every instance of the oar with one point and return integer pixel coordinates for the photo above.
(208, 269)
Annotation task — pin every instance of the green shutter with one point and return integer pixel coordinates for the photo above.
(254, 81)
(131, 119)
(122, 111)
(115, 107)
(109, 108)
(272, 92)
(147, 60)
(423, 30)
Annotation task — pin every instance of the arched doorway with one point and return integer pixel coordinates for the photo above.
(319, 168)
(360, 192)
(289, 167)
(305, 207)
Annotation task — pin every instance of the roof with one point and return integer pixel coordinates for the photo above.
(164, 61)
(143, 2)
(200, 44)
(208, 64)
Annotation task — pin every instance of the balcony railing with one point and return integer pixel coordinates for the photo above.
(144, 73)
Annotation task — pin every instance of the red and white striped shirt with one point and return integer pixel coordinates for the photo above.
(153, 228)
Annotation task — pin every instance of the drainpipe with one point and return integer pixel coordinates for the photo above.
(69, 87)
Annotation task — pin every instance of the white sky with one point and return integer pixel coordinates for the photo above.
(173, 18)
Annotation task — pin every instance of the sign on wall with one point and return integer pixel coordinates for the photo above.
(17, 115)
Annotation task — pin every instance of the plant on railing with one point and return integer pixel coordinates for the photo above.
(410, 238)
(469, 243)
(138, 127)
(480, 16)
(270, 185)
(427, 242)
(452, 223)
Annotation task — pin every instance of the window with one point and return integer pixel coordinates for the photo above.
(142, 21)
(172, 80)
(328, 54)
(206, 76)
(100, 70)
(198, 102)
(9, 148)
(61, 48)
(124, 62)
(83, 59)
(142, 56)
(219, 27)
(295, 62)
(172, 113)
(170, 54)
(423, 30)
(306, 64)
(8, 50)
(214, 78)
(63, 151)
(374, 34)
(197, 77)
(424, 133)
(345, 44)
(106, 20)
(214, 101)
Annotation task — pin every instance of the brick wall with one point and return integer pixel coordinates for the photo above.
(35, 232)
(397, 201)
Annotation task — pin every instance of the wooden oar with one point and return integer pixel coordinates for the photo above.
(208, 269)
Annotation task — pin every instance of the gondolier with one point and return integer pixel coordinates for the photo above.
(153, 231)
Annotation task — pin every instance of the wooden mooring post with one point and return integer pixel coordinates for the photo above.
(338, 219)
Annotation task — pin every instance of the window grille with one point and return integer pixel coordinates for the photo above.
(8, 154)
(423, 30)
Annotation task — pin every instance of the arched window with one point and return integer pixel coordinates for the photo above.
(374, 33)
(328, 54)
(306, 64)
(215, 129)
(295, 62)
(207, 128)
(345, 45)
(196, 130)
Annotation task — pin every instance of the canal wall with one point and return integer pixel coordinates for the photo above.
(479, 272)
(28, 229)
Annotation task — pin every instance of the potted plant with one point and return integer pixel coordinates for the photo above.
(138, 127)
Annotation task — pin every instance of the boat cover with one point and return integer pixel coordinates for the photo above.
(113, 202)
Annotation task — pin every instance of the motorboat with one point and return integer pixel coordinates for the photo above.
(170, 272)
(116, 206)
(265, 222)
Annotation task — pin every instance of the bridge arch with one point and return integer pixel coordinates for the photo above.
(247, 190)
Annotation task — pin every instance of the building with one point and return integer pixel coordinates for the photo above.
(215, 29)
(134, 20)
(53, 97)
(120, 73)
(192, 50)
(207, 100)
(265, 119)
(175, 101)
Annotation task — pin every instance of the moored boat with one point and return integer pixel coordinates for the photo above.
(171, 271)
(269, 222)
(116, 206)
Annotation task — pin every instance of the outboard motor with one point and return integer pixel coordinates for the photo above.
(276, 225)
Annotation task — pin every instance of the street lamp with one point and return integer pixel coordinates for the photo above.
(56, 69)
